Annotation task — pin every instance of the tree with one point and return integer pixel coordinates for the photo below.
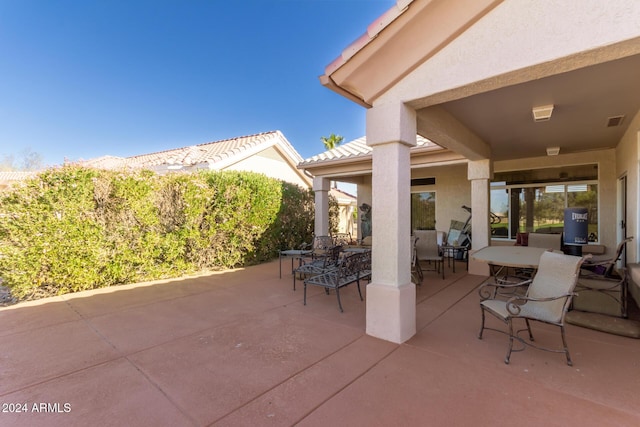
(28, 161)
(332, 141)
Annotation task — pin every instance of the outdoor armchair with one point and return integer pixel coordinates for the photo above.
(318, 264)
(352, 269)
(546, 300)
(427, 249)
(604, 265)
(416, 271)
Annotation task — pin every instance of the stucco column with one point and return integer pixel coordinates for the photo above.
(479, 173)
(391, 297)
(321, 188)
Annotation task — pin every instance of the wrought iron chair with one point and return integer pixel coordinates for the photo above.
(547, 300)
(352, 269)
(416, 271)
(319, 264)
(427, 249)
(343, 239)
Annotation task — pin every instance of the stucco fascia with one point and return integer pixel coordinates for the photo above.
(520, 41)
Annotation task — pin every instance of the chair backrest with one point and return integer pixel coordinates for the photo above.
(342, 239)
(611, 264)
(322, 242)
(547, 241)
(414, 242)
(556, 276)
(332, 256)
(427, 243)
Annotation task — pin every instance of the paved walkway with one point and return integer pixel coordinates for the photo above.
(239, 349)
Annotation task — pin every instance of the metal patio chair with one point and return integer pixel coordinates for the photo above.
(319, 264)
(427, 249)
(547, 300)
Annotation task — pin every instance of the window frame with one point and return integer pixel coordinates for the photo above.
(503, 186)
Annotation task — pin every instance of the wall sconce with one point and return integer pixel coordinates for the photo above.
(542, 113)
(553, 151)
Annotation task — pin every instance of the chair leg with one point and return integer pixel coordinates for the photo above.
(508, 356)
(359, 293)
(482, 325)
(529, 330)
(305, 294)
(339, 303)
(566, 347)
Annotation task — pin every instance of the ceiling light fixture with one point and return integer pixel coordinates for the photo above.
(553, 151)
(542, 113)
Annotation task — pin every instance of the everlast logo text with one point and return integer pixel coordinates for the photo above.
(578, 217)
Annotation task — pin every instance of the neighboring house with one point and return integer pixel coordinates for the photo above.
(525, 99)
(268, 153)
(348, 206)
(7, 179)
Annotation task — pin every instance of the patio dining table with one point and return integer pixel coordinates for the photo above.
(510, 256)
(293, 254)
(501, 258)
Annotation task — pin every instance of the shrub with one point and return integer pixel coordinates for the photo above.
(72, 228)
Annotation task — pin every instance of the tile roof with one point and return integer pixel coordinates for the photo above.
(372, 32)
(216, 155)
(14, 176)
(358, 148)
(342, 196)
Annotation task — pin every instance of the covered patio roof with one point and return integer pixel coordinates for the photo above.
(474, 78)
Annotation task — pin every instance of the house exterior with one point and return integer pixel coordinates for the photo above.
(269, 153)
(9, 178)
(522, 99)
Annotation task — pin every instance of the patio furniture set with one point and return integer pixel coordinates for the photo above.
(551, 288)
(331, 263)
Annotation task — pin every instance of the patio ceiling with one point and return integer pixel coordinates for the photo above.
(583, 101)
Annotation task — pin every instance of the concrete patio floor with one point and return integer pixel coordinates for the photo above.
(238, 348)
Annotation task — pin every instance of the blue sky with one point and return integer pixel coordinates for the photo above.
(80, 79)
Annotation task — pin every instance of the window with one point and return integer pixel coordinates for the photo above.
(423, 210)
(519, 204)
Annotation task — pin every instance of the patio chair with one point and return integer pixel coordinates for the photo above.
(320, 245)
(427, 249)
(547, 300)
(602, 295)
(319, 264)
(352, 269)
(547, 241)
(416, 271)
(343, 239)
(604, 265)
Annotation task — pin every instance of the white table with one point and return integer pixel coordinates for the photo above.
(501, 258)
(510, 256)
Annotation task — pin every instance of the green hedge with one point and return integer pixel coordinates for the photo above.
(72, 228)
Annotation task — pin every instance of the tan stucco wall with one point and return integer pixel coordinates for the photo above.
(452, 191)
(270, 163)
(607, 182)
(627, 157)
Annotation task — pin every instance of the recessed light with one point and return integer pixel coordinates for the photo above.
(542, 113)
